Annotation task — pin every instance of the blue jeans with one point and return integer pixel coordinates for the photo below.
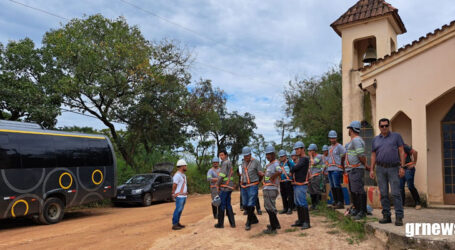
(179, 205)
(249, 196)
(335, 178)
(384, 177)
(300, 195)
(409, 178)
(225, 197)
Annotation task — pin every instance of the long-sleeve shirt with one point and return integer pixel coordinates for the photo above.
(300, 170)
(226, 183)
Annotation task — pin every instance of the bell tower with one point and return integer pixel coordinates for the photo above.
(368, 31)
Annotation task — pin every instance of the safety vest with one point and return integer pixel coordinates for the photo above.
(284, 171)
(301, 183)
(309, 170)
(333, 163)
(211, 183)
(348, 164)
(248, 183)
(267, 181)
(227, 179)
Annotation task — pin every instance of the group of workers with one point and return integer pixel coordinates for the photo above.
(306, 171)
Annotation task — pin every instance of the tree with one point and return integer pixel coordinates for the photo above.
(258, 145)
(25, 92)
(314, 106)
(109, 70)
(205, 103)
(234, 133)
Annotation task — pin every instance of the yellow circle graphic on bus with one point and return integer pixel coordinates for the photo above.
(93, 177)
(60, 180)
(17, 202)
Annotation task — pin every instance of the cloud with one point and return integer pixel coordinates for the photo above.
(250, 49)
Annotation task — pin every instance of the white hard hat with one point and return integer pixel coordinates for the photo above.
(181, 162)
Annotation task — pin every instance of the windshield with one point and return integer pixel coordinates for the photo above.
(138, 179)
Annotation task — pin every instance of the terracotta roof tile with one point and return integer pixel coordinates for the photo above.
(365, 9)
(410, 45)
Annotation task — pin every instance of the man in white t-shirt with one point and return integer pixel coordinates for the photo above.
(179, 192)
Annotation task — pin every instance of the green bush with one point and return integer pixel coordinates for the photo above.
(197, 180)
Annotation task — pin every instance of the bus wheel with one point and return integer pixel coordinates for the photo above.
(147, 200)
(53, 211)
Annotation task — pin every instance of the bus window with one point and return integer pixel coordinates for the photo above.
(8, 153)
(100, 154)
(36, 151)
(71, 151)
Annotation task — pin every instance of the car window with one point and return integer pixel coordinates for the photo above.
(139, 179)
(159, 179)
(167, 179)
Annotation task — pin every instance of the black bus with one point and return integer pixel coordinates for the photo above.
(44, 171)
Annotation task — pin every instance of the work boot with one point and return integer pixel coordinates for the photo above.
(245, 212)
(271, 228)
(259, 212)
(306, 219)
(385, 219)
(283, 211)
(313, 202)
(340, 203)
(334, 197)
(299, 221)
(215, 212)
(176, 227)
(231, 218)
(398, 221)
(180, 225)
(220, 223)
(289, 211)
(276, 221)
(254, 218)
(359, 216)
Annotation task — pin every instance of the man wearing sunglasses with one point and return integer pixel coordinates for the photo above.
(388, 154)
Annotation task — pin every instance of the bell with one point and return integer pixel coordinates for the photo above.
(370, 55)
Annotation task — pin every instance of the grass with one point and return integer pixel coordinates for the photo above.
(355, 229)
(290, 230)
(302, 234)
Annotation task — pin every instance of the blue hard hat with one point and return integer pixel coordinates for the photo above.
(355, 125)
(269, 149)
(293, 153)
(282, 153)
(312, 147)
(333, 134)
(299, 144)
(215, 159)
(325, 148)
(246, 151)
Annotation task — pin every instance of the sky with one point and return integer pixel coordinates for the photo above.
(249, 48)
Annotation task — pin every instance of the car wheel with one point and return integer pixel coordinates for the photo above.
(147, 200)
(53, 211)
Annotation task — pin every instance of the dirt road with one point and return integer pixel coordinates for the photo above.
(150, 227)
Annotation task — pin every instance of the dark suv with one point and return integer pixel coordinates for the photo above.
(145, 188)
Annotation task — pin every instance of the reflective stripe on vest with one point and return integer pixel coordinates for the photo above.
(348, 164)
(229, 178)
(285, 174)
(268, 178)
(301, 183)
(333, 159)
(245, 170)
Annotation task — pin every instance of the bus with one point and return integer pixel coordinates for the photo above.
(42, 172)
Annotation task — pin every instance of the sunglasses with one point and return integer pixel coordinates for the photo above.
(384, 126)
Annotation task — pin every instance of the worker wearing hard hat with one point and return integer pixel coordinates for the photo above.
(355, 164)
(212, 178)
(179, 192)
(335, 160)
(251, 173)
(225, 184)
(316, 173)
(270, 188)
(300, 183)
(287, 196)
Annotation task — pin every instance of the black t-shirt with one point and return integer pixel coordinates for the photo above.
(408, 152)
(300, 170)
